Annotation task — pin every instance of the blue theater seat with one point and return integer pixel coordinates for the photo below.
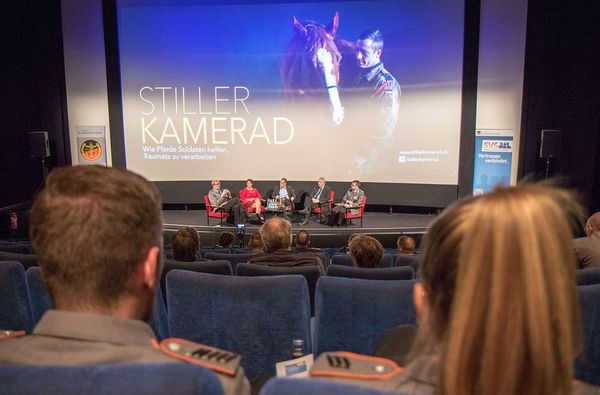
(151, 379)
(378, 273)
(353, 314)
(234, 259)
(257, 317)
(279, 386)
(587, 365)
(15, 312)
(346, 260)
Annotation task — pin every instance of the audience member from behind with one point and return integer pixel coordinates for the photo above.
(366, 251)
(255, 244)
(276, 235)
(186, 243)
(497, 303)
(97, 232)
(405, 245)
(587, 248)
(226, 240)
(405, 248)
(303, 243)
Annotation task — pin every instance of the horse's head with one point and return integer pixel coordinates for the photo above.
(310, 67)
(311, 60)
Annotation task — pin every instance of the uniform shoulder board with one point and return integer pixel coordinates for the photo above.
(199, 354)
(10, 334)
(346, 364)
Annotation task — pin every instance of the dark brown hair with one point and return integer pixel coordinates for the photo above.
(91, 227)
(186, 243)
(366, 251)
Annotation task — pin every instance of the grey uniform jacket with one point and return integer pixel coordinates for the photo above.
(354, 198)
(64, 338)
(587, 250)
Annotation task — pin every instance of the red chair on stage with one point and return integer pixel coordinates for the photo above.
(210, 212)
(349, 216)
(319, 211)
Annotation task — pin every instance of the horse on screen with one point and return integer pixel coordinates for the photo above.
(310, 67)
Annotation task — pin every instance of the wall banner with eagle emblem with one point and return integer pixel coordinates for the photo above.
(91, 145)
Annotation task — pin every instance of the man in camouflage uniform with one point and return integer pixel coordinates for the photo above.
(383, 91)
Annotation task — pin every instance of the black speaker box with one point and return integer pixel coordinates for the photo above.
(550, 144)
(38, 145)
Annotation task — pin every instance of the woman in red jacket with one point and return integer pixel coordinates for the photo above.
(251, 198)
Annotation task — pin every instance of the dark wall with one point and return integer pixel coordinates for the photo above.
(33, 95)
(562, 91)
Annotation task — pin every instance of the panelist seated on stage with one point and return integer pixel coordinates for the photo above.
(284, 192)
(318, 197)
(251, 198)
(221, 199)
(352, 199)
(98, 234)
(276, 235)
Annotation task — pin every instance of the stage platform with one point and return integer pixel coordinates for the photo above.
(385, 227)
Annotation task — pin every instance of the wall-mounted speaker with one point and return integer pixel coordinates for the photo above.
(550, 143)
(39, 147)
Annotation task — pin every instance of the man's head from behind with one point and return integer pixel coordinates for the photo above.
(593, 224)
(405, 245)
(186, 243)
(276, 234)
(97, 232)
(366, 251)
(302, 239)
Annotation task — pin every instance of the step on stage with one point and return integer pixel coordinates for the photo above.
(388, 226)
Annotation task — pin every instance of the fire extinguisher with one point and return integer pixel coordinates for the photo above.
(14, 222)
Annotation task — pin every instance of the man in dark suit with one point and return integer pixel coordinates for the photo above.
(317, 198)
(284, 192)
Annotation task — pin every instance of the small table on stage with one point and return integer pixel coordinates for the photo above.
(285, 212)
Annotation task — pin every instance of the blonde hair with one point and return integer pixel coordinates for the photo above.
(499, 273)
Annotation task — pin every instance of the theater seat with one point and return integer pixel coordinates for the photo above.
(310, 273)
(353, 314)
(588, 276)
(378, 273)
(277, 386)
(233, 259)
(257, 317)
(346, 260)
(150, 379)
(587, 365)
(15, 311)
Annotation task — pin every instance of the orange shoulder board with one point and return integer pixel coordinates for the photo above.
(10, 334)
(344, 364)
(199, 354)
